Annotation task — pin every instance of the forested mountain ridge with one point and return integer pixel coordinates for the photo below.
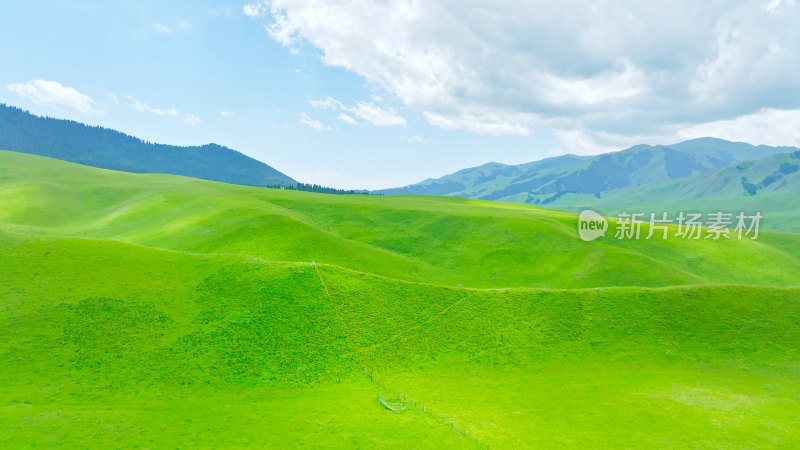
(101, 147)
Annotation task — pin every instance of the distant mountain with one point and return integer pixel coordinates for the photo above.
(100, 147)
(774, 174)
(546, 181)
(769, 185)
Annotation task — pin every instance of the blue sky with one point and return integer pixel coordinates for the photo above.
(360, 94)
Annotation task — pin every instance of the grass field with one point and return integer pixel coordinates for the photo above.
(162, 311)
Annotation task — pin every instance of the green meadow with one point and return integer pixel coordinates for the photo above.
(146, 310)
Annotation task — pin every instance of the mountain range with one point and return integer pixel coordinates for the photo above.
(697, 174)
(100, 147)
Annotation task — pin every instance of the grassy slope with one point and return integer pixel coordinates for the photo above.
(119, 343)
(430, 239)
(675, 367)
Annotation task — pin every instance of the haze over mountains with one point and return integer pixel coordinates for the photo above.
(109, 149)
(542, 182)
(699, 173)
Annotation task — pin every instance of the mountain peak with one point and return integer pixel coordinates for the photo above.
(546, 180)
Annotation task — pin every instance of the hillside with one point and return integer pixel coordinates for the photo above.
(769, 185)
(101, 147)
(774, 174)
(148, 310)
(544, 182)
(440, 240)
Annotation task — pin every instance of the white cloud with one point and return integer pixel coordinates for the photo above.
(768, 126)
(257, 9)
(605, 88)
(53, 94)
(579, 141)
(294, 51)
(775, 5)
(513, 66)
(414, 139)
(483, 121)
(145, 108)
(161, 28)
(327, 103)
(346, 118)
(181, 25)
(191, 119)
(377, 116)
(363, 113)
(226, 113)
(313, 123)
(113, 98)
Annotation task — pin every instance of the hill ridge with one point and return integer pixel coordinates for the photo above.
(437, 240)
(546, 180)
(106, 148)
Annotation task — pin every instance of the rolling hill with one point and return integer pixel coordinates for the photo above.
(148, 310)
(440, 240)
(101, 147)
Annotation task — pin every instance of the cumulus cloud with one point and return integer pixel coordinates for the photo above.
(143, 107)
(257, 9)
(226, 113)
(54, 94)
(192, 119)
(313, 123)
(514, 66)
(362, 113)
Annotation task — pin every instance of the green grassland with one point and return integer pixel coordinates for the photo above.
(439, 240)
(142, 310)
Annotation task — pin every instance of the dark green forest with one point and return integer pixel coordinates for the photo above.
(101, 147)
